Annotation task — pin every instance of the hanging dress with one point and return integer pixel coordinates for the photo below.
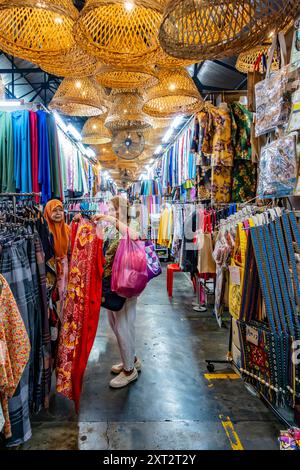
(81, 312)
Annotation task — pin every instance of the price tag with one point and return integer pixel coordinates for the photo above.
(235, 275)
(252, 335)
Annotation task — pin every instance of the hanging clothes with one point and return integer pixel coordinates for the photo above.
(54, 158)
(14, 348)
(34, 145)
(81, 313)
(7, 179)
(221, 184)
(44, 157)
(222, 149)
(244, 181)
(22, 151)
(242, 120)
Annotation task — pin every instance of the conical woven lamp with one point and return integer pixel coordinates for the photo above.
(29, 28)
(206, 29)
(79, 97)
(126, 77)
(118, 32)
(75, 63)
(126, 113)
(251, 60)
(175, 94)
(94, 132)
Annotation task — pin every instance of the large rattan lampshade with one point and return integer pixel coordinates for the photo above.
(118, 34)
(175, 94)
(104, 152)
(29, 28)
(126, 77)
(79, 97)
(126, 113)
(75, 63)
(206, 29)
(250, 61)
(94, 132)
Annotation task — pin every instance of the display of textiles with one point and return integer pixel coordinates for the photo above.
(22, 265)
(278, 168)
(179, 163)
(81, 309)
(270, 308)
(242, 120)
(244, 181)
(36, 156)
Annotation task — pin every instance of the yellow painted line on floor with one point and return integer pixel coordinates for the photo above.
(231, 433)
(221, 376)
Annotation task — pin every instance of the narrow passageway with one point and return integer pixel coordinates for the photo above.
(172, 405)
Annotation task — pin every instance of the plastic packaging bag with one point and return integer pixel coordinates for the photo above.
(278, 168)
(273, 95)
(129, 272)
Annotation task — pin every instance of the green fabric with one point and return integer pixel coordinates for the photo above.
(241, 131)
(63, 164)
(7, 183)
(244, 181)
(54, 166)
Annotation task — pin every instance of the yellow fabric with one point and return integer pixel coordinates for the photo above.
(222, 151)
(238, 260)
(165, 228)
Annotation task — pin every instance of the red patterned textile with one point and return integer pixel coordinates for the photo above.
(81, 310)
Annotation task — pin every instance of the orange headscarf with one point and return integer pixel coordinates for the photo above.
(60, 231)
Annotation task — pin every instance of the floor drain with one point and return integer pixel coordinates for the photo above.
(83, 438)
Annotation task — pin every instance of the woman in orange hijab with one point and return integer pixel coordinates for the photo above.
(54, 214)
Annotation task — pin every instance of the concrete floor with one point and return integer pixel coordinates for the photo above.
(172, 406)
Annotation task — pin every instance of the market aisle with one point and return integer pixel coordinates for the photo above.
(172, 405)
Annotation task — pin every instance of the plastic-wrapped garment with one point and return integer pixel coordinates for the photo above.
(278, 168)
(273, 100)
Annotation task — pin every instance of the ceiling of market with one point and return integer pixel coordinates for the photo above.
(26, 80)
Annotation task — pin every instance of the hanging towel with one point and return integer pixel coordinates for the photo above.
(44, 157)
(22, 151)
(34, 153)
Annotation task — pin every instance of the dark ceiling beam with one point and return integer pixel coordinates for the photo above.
(21, 71)
(227, 66)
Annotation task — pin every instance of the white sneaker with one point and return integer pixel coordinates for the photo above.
(122, 380)
(117, 368)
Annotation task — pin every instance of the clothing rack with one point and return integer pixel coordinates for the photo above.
(14, 196)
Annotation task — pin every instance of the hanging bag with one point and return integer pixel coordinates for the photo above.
(129, 272)
(153, 263)
(273, 95)
(278, 168)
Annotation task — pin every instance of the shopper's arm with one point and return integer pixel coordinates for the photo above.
(120, 226)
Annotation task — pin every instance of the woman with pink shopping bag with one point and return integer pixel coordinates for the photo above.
(125, 276)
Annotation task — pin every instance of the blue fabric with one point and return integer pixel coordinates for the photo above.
(22, 151)
(44, 157)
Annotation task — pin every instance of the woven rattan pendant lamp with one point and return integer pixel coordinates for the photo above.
(94, 132)
(120, 32)
(79, 97)
(126, 77)
(175, 94)
(75, 63)
(29, 28)
(206, 29)
(126, 113)
(250, 60)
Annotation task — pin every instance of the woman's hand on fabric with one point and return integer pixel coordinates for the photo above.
(76, 218)
(103, 218)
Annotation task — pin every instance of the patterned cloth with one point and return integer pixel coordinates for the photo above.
(242, 119)
(15, 267)
(14, 349)
(244, 181)
(81, 311)
(222, 149)
(221, 184)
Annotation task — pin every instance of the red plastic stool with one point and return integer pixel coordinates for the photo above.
(171, 269)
